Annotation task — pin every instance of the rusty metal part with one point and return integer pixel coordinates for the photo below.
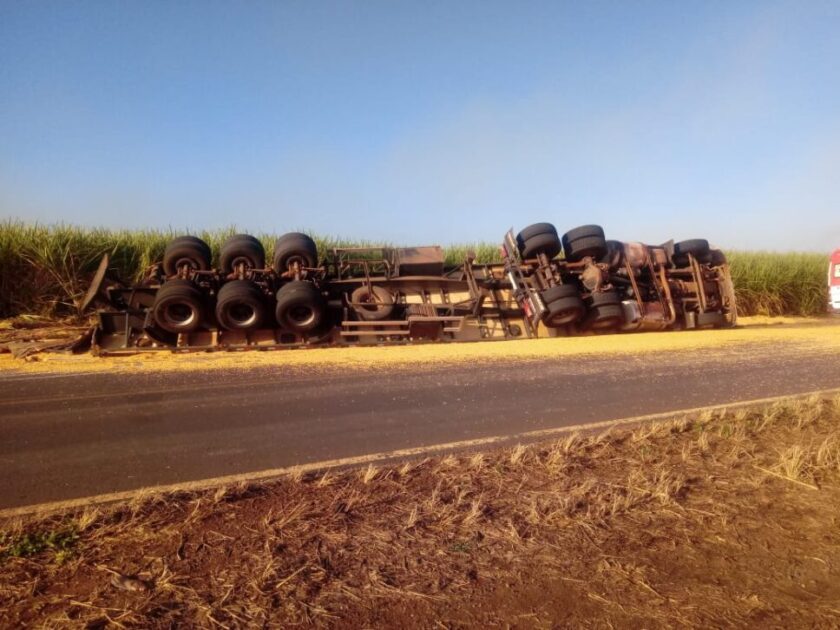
(95, 288)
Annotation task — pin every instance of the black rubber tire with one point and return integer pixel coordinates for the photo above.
(605, 311)
(563, 305)
(559, 291)
(709, 319)
(580, 248)
(534, 230)
(382, 306)
(564, 311)
(179, 307)
(292, 247)
(603, 298)
(606, 316)
(697, 247)
(716, 258)
(584, 231)
(547, 244)
(300, 307)
(614, 257)
(186, 250)
(241, 248)
(240, 305)
(536, 239)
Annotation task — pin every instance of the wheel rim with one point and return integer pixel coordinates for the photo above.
(370, 303)
(179, 315)
(242, 260)
(189, 262)
(566, 316)
(301, 315)
(295, 258)
(242, 315)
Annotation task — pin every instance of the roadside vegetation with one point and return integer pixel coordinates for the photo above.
(769, 283)
(727, 518)
(44, 269)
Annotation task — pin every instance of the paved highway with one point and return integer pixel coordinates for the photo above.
(65, 436)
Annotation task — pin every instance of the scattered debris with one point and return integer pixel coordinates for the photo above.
(128, 583)
(25, 342)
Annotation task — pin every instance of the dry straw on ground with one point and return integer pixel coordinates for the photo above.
(755, 334)
(726, 519)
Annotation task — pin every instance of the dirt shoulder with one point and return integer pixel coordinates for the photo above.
(725, 519)
(813, 334)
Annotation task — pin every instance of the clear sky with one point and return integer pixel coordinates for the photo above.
(423, 122)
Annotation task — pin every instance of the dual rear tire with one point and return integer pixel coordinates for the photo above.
(605, 311)
(563, 305)
(186, 252)
(294, 248)
(536, 239)
(301, 308)
(602, 311)
(697, 247)
(584, 241)
(576, 244)
(240, 305)
(181, 307)
(241, 251)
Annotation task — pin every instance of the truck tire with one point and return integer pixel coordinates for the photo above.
(241, 249)
(605, 311)
(240, 305)
(603, 298)
(536, 239)
(592, 246)
(534, 230)
(186, 250)
(716, 258)
(584, 231)
(294, 247)
(377, 307)
(697, 247)
(178, 306)
(300, 307)
(583, 241)
(614, 257)
(563, 305)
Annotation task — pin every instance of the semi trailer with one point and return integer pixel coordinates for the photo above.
(544, 285)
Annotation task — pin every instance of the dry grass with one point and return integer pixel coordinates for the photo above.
(700, 522)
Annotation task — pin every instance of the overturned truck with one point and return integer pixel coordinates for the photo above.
(544, 286)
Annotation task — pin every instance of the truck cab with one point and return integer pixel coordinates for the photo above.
(834, 282)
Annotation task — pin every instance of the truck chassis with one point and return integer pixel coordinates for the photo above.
(374, 296)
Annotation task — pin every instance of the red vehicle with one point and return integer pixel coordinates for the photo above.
(834, 282)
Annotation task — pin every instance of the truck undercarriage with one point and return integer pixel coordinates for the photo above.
(359, 296)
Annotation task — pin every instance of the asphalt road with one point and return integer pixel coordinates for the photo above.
(71, 436)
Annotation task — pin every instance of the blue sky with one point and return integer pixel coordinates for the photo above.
(424, 122)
